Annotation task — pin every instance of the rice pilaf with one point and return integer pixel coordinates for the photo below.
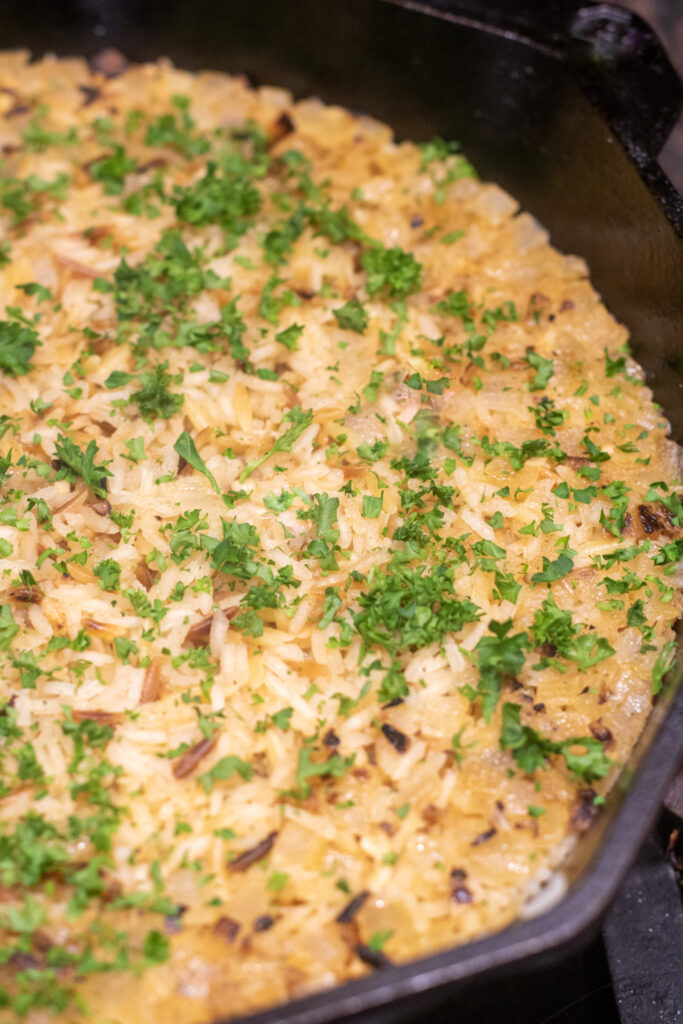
(339, 540)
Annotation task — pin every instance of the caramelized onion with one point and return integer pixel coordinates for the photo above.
(152, 683)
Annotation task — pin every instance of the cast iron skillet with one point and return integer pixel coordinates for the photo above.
(564, 104)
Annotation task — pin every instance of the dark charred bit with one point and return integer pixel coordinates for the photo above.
(653, 518)
(398, 739)
(110, 63)
(261, 764)
(548, 650)
(283, 127)
(628, 523)
(101, 508)
(585, 811)
(372, 957)
(95, 715)
(515, 684)
(188, 761)
(17, 110)
(601, 732)
(285, 124)
(459, 891)
(42, 941)
(257, 853)
(586, 689)
(27, 595)
(393, 703)
(144, 575)
(416, 221)
(539, 707)
(181, 464)
(566, 305)
(347, 915)
(90, 94)
(576, 461)
(484, 837)
(430, 814)
(173, 923)
(105, 426)
(387, 827)
(26, 961)
(330, 739)
(152, 165)
(305, 294)
(55, 463)
(263, 923)
(198, 634)
(226, 928)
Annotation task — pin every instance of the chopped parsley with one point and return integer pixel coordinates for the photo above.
(17, 345)
(352, 316)
(544, 370)
(187, 449)
(391, 270)
(74, 463)
(583, 755)
(300, 419)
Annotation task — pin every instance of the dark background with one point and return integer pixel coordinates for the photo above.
(666, 18)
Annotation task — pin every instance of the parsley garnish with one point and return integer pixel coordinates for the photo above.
(553, 627)
(17, 345)
(408, 609)
(76, 463)
(8, 627)
(187, 449)
(153, 397)
(290, 337)
(335, 766)
(544, 370)
(372, 506)
(352, 316)
(111, 170)
(108, 573)
(228, 198)
(300, 419)
(498, 654)
(554, 570)
(224, 770)
(175, 130)
(393, 270)
(663, 664)
(531, 750)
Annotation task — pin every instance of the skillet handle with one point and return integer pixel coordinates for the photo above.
(616, 56)
(626, 72)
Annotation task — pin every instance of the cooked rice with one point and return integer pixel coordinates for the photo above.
(419, 816)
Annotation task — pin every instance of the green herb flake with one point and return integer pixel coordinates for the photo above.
(187, 449)
(372, 506)
(352, 316)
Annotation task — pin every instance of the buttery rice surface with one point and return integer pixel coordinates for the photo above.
(338, 544)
